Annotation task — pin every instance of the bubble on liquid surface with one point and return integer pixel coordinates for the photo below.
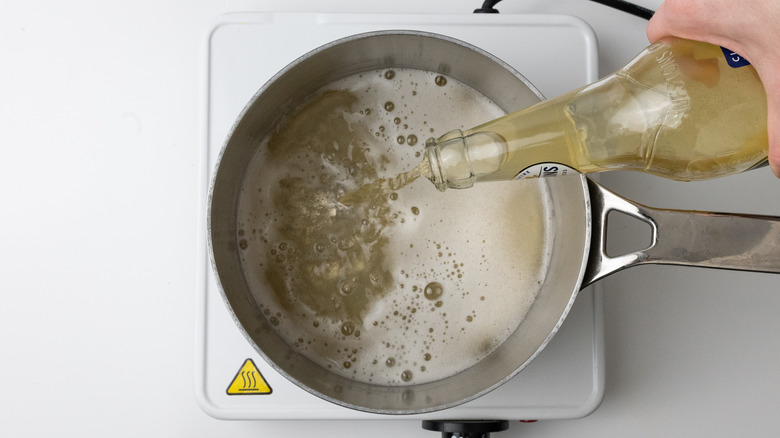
(433, 290)
(348, 328)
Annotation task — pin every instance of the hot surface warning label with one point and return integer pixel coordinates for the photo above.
(248, 381)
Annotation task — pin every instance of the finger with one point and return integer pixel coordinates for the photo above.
(657, 27)
(773, 130)
(767, 70)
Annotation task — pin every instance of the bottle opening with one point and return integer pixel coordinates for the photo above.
(430, 167)
(449, 162)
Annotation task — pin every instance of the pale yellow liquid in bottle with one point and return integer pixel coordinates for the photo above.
(678, 111)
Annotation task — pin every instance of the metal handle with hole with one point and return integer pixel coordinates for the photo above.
(679, 237)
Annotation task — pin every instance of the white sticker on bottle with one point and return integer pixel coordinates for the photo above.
(543, 170)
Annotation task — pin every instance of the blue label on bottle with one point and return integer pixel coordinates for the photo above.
(734, 59)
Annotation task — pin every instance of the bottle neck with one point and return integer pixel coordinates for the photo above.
(447, 162)
(503, 149)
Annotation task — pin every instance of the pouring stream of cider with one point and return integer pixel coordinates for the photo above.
(384, 186)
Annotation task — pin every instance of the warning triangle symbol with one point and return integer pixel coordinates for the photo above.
(248, 380)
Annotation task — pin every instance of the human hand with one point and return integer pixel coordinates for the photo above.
(748, 27)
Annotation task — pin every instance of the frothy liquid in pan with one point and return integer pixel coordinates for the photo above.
(395, 283)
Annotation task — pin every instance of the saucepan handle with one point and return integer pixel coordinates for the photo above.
(690, 238)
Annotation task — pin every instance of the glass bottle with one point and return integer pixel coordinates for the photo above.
(681, 109)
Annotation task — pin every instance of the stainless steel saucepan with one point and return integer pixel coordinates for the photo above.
(578, 210)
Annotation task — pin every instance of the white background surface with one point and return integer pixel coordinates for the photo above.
(99, 134)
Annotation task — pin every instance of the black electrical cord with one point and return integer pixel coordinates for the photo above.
(487, 7)
(631, 8)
